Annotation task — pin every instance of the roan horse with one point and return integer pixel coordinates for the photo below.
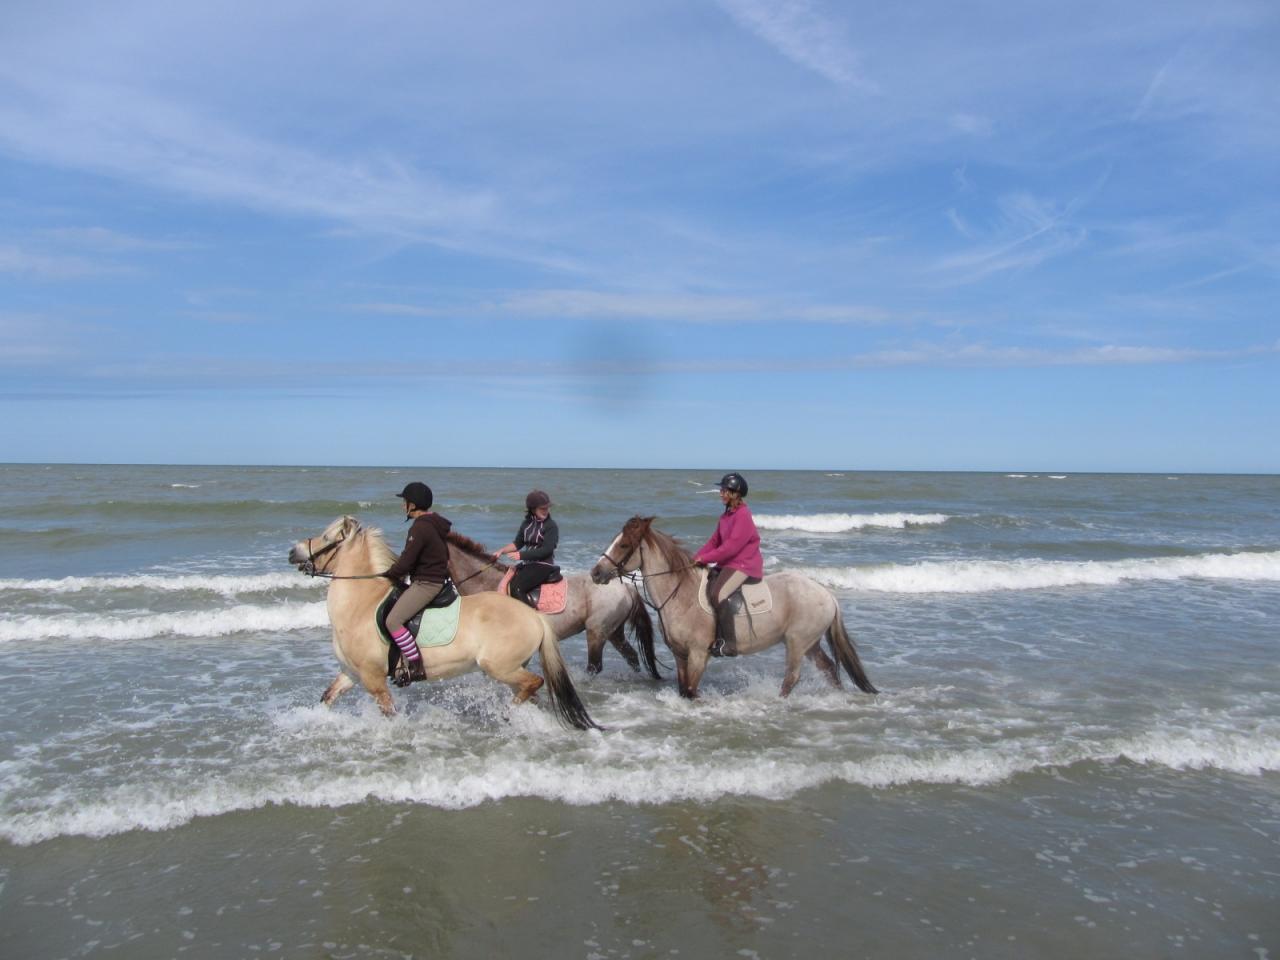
(803, 611)
(602, 610)
(495, 633)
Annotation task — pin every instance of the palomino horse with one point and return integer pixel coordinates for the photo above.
(495, 633)
(803, 611)
(601, 610)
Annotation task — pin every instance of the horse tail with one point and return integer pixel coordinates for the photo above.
(564, 698)
(642, 627)
(842, 646)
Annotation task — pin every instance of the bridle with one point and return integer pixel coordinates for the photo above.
(635, 577)
(309, 567)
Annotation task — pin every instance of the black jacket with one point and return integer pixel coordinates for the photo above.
(426, 552)
(537, 544)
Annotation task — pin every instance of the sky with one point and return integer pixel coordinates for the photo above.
(729, 234)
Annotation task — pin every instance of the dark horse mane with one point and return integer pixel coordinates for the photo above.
(467, 545)
(640, 530)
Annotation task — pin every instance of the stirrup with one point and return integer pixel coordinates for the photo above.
(722, 647)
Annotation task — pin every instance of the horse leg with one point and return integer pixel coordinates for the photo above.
(682, 675)
(795, 659)
(374, 680)
(619, 640)
(523, 683)
(595, 651)
(341, 684)
(693, 672)
(824, 663)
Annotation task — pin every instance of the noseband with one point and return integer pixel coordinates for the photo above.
(309, 568)
(620, 566)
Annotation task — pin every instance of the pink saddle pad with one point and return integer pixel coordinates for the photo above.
(553, 597)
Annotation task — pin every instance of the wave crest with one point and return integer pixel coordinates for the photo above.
(245, 618)
(845, 522)
(986, 576)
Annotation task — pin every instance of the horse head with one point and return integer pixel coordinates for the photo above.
(315, 554)
(623, 555)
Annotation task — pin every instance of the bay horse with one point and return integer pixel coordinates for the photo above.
(803, 611)
(603, 610)
(495, 634)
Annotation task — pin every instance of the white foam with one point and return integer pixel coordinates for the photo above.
(222, 584)
(982, 576)
(244, 618)
(844, 522)
(580, 770)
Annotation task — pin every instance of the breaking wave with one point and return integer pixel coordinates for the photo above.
(245, 618)
(222, 584)
(983, 576)
(844, 522)
(600, 772)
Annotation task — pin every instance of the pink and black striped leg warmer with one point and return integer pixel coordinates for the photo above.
(408, 646)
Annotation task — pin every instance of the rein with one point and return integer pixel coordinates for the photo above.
(635, 575)
(491, 563)
(309, 568)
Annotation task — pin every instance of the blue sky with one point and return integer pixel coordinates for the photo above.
(708, 233)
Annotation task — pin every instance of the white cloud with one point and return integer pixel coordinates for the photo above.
(678, 308)
(971, 124)
(804, 35)
(146, 138)
(52, 266)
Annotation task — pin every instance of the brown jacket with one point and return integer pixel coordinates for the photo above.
(426, 552)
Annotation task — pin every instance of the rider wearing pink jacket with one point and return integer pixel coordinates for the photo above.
(734, 549)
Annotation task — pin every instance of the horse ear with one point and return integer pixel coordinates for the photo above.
(349, 525)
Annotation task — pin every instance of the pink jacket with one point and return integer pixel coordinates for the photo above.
(735, 544)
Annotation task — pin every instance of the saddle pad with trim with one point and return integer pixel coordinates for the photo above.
(434, 626)
(751, 599)
(551, 597)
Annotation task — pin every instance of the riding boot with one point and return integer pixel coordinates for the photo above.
(410, 667)
(417, 669)
(726, 643)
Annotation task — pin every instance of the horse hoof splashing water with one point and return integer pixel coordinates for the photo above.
(803, 611)
(495, 633)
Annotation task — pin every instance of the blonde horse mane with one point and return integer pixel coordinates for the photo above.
(380, 555)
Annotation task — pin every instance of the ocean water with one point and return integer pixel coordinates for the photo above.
(1075, 751)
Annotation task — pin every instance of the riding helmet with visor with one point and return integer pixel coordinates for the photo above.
(734, 483)
(418, 494)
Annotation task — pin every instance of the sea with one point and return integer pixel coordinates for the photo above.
(1075, 750)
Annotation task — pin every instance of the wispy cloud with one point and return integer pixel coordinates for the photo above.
(805, 35)
(176, 373)
(105, 240)
(677, 308)
(1033, 232)
(142, 137)
(53, 266)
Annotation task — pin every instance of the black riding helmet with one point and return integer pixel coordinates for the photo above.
(418, 494)
(734, 483)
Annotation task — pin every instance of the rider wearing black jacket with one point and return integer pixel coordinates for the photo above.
(534, 547)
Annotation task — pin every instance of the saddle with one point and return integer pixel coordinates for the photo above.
(548, 597)
(435, 626)
(754, 597)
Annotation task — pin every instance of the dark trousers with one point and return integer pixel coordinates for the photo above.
(722, 583)
(529, 576)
